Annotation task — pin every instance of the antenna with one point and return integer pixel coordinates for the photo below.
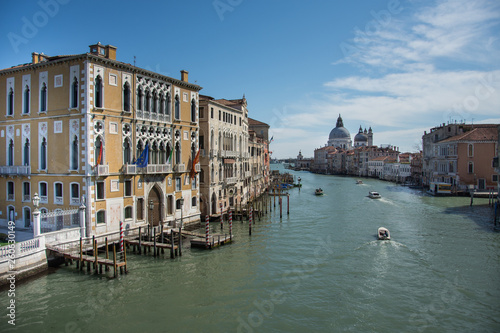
(134, 61)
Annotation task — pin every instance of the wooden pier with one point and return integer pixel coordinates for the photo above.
(213, 241)
(71, 253)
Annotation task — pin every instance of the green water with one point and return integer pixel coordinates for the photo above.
(320, 269)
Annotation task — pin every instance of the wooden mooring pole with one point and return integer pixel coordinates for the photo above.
(140, 236)
(107, 254)
(288, 204)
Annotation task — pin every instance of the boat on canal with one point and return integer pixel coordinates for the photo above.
(359, 181)
(383, 234)
(374, 195)
(318, 191)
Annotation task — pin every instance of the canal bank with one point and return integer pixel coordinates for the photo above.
(318, 269)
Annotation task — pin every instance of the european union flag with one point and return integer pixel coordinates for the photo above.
(142, 161)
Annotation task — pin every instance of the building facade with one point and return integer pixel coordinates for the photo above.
(73, 126)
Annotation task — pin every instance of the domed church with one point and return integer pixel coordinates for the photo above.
(341, 138)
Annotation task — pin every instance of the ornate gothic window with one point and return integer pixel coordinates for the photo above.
(193, 110)
(26, 106)
(10, 103)
(126, 97)
(74, 93)
(139, 98)
(74, 153)
(26, 152)
(43, 98)
(98, 93)
(177, 108)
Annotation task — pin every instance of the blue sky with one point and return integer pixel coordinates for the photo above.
(400, 67)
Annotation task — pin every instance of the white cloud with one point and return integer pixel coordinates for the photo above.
(438, 65)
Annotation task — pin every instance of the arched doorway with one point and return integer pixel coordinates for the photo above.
(154, 207)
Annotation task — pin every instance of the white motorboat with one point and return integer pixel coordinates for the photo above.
(359, 181)
(319, 191)
(383, 234)
(374, 195)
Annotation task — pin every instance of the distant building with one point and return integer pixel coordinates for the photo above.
(461, 155)
(303, 163)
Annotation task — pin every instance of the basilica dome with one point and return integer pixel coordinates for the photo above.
(361, 137)
(339, 132)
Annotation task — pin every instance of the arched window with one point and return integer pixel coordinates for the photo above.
(26, 106)
(193, 110)
(155, 102)
(202, 176)
(74, 153)
(74, 93)
(98, 92)
(212, 172)
(10, 103)
(168, 110)
(147, 101)
(139, 148)
(101, 216)
(126, 151)
(126, 97)
(10, 154)
(154, 153)
(169, 154)
(193, 202)
(128, 212)
(471, 150)
(178, 153)
(177, 107)
(43, 98)
(26, 152)
(139, 99)
(98, 151)
(162, 158)
(162, 105)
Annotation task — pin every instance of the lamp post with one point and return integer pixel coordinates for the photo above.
(36, 216)
(181, 201)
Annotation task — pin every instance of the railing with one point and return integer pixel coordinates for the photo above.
(213, 153)
(130, 169)
(22, 248)
(248, 174)
(180, 168)
(231, 180)
(18, 170)
(146, 115)
(256, 177)
(26, 197)
(245, 155)
(197, 167)
(58, 220)
(102, 170)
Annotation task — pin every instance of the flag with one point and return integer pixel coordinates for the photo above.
(169, 158)
(272, 138)
(195, 161)
(142, 161)
(100, 156)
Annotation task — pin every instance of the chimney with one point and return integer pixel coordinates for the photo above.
(184, 76)
(105, 51)
(38, 58)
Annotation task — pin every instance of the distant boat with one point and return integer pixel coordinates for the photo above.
(359, 181)
(439, 188)
(374, 195)
(299, 179)
(318, 191)
(383, 234)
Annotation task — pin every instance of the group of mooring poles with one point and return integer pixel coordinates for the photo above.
(93, 261)
(157, 242)
(494, 203)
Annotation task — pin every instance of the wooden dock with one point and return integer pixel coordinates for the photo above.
(213, 240)
(70, 254)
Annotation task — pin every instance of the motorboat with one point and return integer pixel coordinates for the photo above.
(318, 191)
(374, 195)
(383, 234)
(359, 181)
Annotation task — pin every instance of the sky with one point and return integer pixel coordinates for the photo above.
(400, 67)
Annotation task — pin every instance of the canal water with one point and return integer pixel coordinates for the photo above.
(320, 269)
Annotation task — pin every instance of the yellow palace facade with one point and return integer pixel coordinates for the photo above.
(72, 128)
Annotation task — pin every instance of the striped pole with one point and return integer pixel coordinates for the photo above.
(207, 231)
(121, 236)
(250, 222)
(231, 224)
(221, 217)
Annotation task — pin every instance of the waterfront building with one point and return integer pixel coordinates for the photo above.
(225, 175)
(259, 157)
(416, 169)
(321, 159)
(461, 155)
(303, 163)
(73, 126)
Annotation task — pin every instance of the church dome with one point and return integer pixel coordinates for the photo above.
(339, 132)
(361, 137)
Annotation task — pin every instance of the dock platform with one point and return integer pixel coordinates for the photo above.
(213, 240)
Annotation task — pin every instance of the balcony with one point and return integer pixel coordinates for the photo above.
(248, 174)
(26, 198)
(245, 155)
(231, 180)
(213, 153)
(197, 167)
(74, 201)
(130, 169)
(102, 170)
(256, 177)
(180, 168)
(152, 169)
(17, 170)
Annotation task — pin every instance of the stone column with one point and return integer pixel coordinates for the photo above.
(82, 220)
(36, 223)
